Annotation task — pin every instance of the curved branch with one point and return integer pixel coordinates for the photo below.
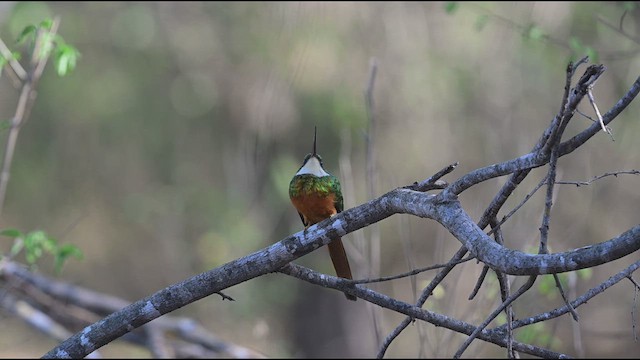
(449, 213)
(514, 262)
(443, 208)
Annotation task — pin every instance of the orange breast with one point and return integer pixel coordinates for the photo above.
(315, 208)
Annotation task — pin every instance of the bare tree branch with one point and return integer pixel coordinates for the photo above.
(443, 208)
(189, 339)
(576, 303)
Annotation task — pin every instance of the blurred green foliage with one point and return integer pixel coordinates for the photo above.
(35, 244)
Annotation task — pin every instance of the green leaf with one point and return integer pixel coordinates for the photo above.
(450, 7)
(66, 57)
(50, 245)
(34, 244)
(29, 31)
(629, 5)
(46, 24)
(64, 252)
(62, 65)
(12, 233)
(37, 243)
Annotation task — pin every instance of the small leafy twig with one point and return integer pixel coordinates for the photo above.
(37, 243)
(46, 42)
(25, 102)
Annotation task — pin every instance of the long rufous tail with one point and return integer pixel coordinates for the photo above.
(340, 262)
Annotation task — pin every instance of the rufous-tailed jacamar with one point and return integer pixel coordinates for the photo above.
(316, 195)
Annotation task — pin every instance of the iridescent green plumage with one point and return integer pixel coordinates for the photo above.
(308, 184)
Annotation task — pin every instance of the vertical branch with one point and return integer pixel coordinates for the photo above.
(505, 291)
(575, 326)
(554, 143)
(374, 243)
(356, 248)
(25, 103)
(371, 163)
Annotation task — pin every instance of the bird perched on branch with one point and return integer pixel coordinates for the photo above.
(316, 195)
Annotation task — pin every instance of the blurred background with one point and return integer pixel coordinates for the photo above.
(169, 151)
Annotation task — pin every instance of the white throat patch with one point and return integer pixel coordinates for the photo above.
(312, 167)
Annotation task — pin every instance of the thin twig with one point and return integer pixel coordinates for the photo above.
(551, 178)
(499, 239)
(583, 299)
(513, 211)
(594, 120)
(433, 182)
(634, 307)
(374, 243)
(575, 326)
(493, 315)
(574, 313)
(411, 273)
(505, 292)
(426, 292)
(619, 29)
(584, 60)
(476, 288)
(595, 108)
(615, 173)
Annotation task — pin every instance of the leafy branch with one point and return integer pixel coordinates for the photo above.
(42, 42)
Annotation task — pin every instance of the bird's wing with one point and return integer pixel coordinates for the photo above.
(337, 190)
